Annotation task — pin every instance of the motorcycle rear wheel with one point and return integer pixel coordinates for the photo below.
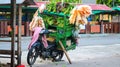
(32, 55)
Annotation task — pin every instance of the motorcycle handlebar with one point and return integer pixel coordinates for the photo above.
(46, 31)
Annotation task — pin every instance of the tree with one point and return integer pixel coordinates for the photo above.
(117, 2)
(106, 2)
(110, 3)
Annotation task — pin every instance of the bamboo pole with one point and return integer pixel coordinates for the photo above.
(19, 34)
(65, 51)
(13, 21)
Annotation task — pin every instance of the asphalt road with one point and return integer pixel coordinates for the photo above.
(92, 51)
(99, 40)
(85, 40)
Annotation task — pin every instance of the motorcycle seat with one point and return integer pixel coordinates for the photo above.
(49, 46)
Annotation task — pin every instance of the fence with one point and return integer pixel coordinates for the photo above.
(112, 27)
(5, 28)
(108, 27)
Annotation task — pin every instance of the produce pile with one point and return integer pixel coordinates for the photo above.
(59, 8)
(79, 14)
(63, 14)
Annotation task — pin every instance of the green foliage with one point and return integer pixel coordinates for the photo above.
(110, 3)
(57, 8)
(117, 2)
(51, 7)
(70, 1)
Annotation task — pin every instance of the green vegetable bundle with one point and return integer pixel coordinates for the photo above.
(60, 7)
(63, 8)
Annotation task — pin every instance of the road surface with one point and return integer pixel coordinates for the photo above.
(92, 51)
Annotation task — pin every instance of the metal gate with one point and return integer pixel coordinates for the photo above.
(113, 27)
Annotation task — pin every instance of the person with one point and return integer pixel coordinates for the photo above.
(36, 26)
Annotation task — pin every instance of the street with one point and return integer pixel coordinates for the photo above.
(99, 40)
(92, 51)
(85, 40)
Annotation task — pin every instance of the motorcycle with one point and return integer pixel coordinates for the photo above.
(38, 50)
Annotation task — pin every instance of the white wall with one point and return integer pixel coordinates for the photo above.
(88, 1)
(115, 18)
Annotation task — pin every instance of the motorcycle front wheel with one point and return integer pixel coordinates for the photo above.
(32, 55)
